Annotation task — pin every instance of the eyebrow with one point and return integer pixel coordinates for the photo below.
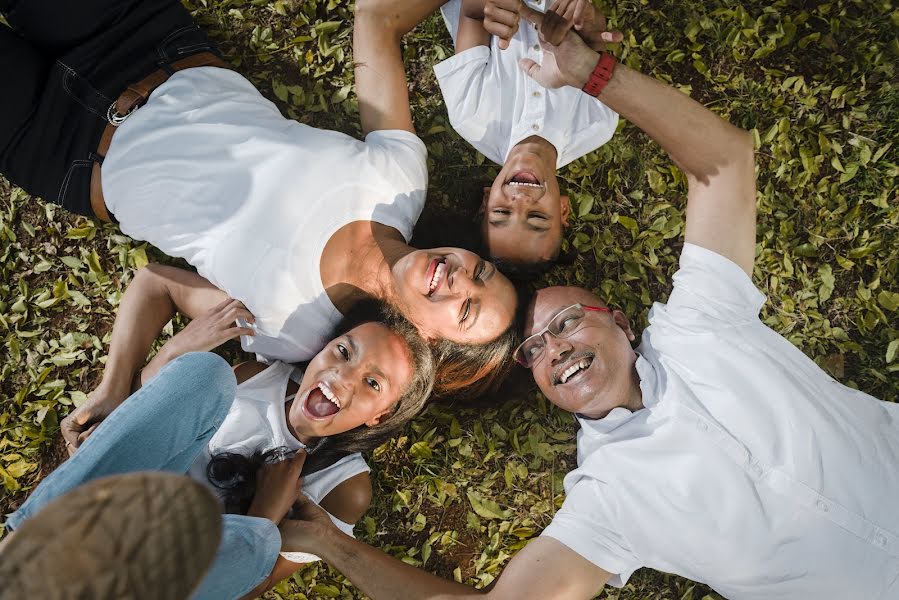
(352, 344)
(381, 375)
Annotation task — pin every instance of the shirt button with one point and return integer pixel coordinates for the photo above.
(822, 505)
(535, 127)
(536, 47)
(536, 94)
(880, 539)
(703, 426)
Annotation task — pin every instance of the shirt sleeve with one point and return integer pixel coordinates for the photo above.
(319, 484)
(582, 525)
(472, 97)
(398, 161)
(712, 286)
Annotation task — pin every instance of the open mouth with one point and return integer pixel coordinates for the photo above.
(321, 402)
(436, 275)
(525, 179)
(572, 370)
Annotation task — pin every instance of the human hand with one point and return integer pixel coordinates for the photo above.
(277, 488)
(567, 60)
(211, 329)
(501, 19)
(81, 422)
(589, 22)
(308, 524)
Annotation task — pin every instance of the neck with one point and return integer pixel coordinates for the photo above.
(303, 439)
(634, 400)
(538, 146)
(357, 263)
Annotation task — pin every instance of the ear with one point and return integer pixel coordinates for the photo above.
(565, 206)
(376, 420)
(622, 322)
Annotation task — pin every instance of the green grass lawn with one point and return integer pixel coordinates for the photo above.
(464, 488)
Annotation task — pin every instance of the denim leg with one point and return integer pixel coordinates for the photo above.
(246, 556)
(162, 427)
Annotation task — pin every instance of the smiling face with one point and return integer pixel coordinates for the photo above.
(454, 294)
(355, 380)
(591, 371)
(524, 211)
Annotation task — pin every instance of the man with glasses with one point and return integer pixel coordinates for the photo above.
(717, 450)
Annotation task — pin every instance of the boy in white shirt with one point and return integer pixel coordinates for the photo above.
(529, 130)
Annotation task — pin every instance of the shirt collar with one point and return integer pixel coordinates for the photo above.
(619, 416)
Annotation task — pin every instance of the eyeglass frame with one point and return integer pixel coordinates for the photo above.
(546, 330)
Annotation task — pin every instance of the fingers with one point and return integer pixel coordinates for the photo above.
(236, 332)
(534, 17)
(86, 434)
(531, 68)
(234, 309)
(501, 22)
(297, 461)
(613, 37)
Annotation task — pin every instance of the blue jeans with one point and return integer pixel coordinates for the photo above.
(163, 427)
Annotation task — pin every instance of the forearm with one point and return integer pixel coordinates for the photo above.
(697, 139)
(382, 577)
(144, 310)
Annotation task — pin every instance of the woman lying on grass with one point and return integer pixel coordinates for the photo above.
(296, 222)
(252, 442)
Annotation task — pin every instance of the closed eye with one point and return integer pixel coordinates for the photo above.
(466, 310)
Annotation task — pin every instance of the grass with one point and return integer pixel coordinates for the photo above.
(464, 488)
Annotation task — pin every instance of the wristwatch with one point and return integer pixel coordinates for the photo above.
(601, 74)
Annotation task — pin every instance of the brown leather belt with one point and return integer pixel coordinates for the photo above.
(131, 99)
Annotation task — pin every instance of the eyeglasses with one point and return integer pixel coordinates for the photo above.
(566, 322)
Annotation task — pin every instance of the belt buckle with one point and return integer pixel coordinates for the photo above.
(113, 116)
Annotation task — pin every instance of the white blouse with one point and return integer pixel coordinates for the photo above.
(210, 171)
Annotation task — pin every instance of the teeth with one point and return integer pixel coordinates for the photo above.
(525, 184)
(567, 373)
(438, 275)
(329, 394)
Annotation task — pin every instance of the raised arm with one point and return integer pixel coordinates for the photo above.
(380, 75)
(544, 570)
(717, 157)
(471, 30)
(150, 302)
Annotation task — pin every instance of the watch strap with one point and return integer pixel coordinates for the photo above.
(601, 74)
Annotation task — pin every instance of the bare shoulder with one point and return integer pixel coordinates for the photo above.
(349, 500)
(246, 370)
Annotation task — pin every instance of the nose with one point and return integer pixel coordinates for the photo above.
(344, 383)
(557, 349)
(461, 280)
(519, 194)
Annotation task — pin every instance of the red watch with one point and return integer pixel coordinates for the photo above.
(601, 74)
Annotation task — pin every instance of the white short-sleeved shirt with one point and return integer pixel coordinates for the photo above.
(750, 468)
(210, 171)
(256, 422)
(494, 105)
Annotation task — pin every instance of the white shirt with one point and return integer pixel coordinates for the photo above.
(494, 105)
(210, 171)
(750, 468)
(256, 422)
